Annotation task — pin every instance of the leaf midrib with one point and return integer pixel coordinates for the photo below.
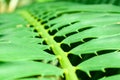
(69, 70)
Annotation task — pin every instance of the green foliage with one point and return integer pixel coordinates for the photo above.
(115, 2)
(43, 41)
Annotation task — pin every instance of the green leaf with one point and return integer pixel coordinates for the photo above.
(95, 32)
(110, 60)
(95, 20)
(20, 35)
(21, 69)
(11, 52)
(114, 77)
(29, 79)
(40, 78)
(97, 45)
(9, 20)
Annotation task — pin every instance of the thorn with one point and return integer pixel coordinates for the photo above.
(69, 44)
(80, 56)
(64, 36)
(88, 73)
(54, 62)
(117, 50)
(62, 76)
(82, 40)
(77, 31)
(49, 48)
(104, 77)
(56, 29)
(96, 53)
(103, 70)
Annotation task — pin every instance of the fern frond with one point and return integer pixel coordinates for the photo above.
(43, 41)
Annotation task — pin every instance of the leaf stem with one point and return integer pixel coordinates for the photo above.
(69, 70)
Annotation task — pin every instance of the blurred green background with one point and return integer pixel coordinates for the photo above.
(11, 5)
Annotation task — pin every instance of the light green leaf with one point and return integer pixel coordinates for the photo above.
(19, 69)
(105, 43)
(29, 79)
(114, 77)
(11, 52)
(110, 60)
(97, 21)
(40, 78)
(95, 32)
